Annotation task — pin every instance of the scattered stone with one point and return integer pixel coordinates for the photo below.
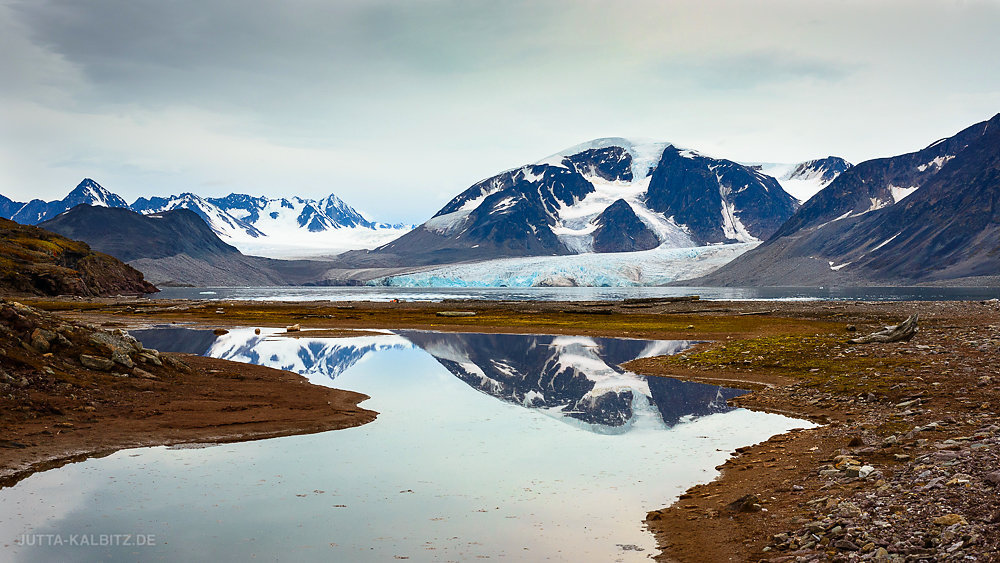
(950, 520)
(148, 358)
(96, 362)
(746, 503)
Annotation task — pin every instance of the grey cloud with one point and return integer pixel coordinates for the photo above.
(752, 70)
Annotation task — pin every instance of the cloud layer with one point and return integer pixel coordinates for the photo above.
(398, 105)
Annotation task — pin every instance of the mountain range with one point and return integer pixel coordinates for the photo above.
(652, 208)
(177, 247)
(928, 216)
(605, 196)
(254, 224)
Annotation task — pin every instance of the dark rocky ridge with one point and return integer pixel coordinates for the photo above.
(693, 190)
(177, 248)
(619, 229)
(36, 261)
(947, 229)
(613, 164)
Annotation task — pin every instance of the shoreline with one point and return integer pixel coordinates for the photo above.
(891, 407)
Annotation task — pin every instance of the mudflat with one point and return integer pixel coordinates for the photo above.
(904, 465)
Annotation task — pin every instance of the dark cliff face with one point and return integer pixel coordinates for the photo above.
(946, 228)
(36, 261)
(129, 236)
(619, 229)
(711, 196)
(613, 164)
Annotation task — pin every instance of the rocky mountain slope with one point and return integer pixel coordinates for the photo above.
(608, 195)
(923, 217)
(36, 261)
(178, 248)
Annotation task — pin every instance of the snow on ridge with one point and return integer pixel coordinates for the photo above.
(645, 153)
(801, 180)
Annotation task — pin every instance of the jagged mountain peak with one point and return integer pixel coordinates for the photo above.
(90, 192)
(824, 169)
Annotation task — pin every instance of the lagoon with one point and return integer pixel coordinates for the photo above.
(500, 446)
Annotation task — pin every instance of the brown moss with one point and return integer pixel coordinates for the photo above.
(824, 361)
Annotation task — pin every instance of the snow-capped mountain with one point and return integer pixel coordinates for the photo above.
(574, 377)
(36, 210)
(321, 360)
(221, 222)
(928, 215)
(292, 227)
(607, 195)
(804, 179)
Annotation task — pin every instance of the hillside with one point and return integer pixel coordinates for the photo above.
(39, 262)
(930, 216)
(178, 248)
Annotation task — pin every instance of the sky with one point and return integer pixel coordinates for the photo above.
(397, 106)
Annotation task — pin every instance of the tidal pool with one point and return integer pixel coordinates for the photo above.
(522, 447)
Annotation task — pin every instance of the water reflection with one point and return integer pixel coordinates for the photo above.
(446, 472)
(575, 378)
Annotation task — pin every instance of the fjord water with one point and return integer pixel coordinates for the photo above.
(499, 446)
(376, 293)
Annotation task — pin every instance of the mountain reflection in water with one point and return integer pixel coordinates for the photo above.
(574, 378)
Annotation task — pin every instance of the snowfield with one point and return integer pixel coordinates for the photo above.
(658, 266)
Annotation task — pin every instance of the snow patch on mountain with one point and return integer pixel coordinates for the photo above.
(645, 153)
(658, 266)
(898, 193)
(937, 163)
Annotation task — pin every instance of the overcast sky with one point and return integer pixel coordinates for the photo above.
(397, 106)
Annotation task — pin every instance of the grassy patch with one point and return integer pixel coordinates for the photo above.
(822, 361)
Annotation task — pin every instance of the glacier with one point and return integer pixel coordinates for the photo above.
(659, 266)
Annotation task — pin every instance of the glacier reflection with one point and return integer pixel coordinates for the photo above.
(574, 378)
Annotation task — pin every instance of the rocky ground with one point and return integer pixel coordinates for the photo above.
(905, 467)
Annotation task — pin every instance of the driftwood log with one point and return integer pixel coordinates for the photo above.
(902, 332)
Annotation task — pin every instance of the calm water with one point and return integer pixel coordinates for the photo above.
(299, 293)
(486, 446)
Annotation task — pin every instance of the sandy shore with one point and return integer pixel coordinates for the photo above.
(902, 468)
